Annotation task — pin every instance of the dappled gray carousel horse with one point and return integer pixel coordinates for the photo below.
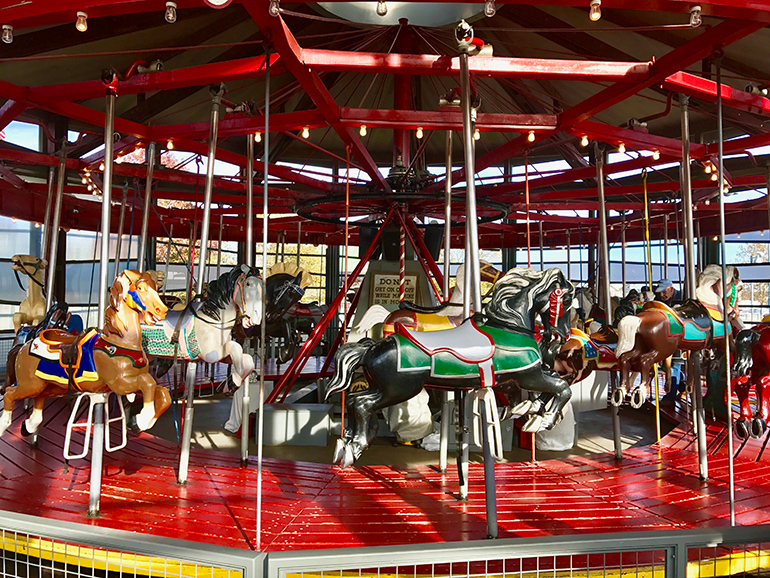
(494, 349)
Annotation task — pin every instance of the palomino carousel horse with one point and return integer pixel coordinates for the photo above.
(32, 309)
(444, 316)
(494, 348)
(203, 331)
(57, 362)
(659, 330)
(584, 353)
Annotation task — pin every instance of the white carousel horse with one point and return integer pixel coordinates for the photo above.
(32, 309)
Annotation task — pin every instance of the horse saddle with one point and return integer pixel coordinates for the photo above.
(690, 311)
(58, 345)
(65, 358)
(605, 336)
(467, 342)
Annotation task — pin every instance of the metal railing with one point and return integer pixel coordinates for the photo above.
(31, 546)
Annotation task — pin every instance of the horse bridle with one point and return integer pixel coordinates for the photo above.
(24, 266)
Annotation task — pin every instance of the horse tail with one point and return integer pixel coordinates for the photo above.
(374, 315)
(627, 329)
(349, 357)
(743, 345)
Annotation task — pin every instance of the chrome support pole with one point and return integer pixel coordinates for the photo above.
(47, 218)
(472, 262)
(184, 454)
(97, 450)
(141, 258)
(665, 246)
(569, 256)
(467, 297)
(623, 253)
(262, 346)
(447, 419)
(463, 448)
(490, 493)
(168, 254)
(249, 249)
(219, 246)
(725, 296)
(121, 219)
(693, 367)
(542, 256)
(54, 234)
(447, 213)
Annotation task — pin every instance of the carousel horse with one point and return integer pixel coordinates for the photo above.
(496, 348)
(305, 316)
(584, 353)
(56, 363)
(658, 330)
(32, 309)
(444, 316)
(203, 330)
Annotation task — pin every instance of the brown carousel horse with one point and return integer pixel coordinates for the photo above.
(57, 362)
(418, 318)
(659, 330)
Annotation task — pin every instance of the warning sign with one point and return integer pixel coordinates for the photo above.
(385, 289)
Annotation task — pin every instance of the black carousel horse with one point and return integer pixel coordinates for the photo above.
(496, 348)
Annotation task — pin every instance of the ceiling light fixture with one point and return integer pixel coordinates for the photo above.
(656, 155)
(257, 136)
(362, 130)
(531, 136)
(101, 166)
(170, 145)
(170, 12)
(7, 33)
(696, 18)
(274, 9)
(489, 8)
(476, 134)
(305, 132)
(81, 23)
(382, 8)
(595, 10)
(622, 148)
(584, 141)
(714, 176)
(418, 133)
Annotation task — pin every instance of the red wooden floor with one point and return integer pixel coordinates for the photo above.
(317, 506)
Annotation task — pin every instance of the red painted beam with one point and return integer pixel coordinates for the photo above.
(286, 45)
(241, 125)
(497, 66)
(634, 139)
(704, 89)
(444, 119)
(9, 111)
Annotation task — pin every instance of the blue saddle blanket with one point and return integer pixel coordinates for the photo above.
(53, 370)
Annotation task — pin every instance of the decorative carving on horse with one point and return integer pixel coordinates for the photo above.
(203, 331)
(443, 316)
(56, 362)
(32, 309)
(584, 353)
(497, 348)
(658, 330)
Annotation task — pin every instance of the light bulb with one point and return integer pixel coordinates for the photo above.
(476, 134)
(708, 202)
(305, 132)
(81, 23)
(382, 8)
(714, 176)
(595, 10)
(257, 136)
(84, 180)
(531, 136)
(274, 9)
(714, 238)
(90, 188)
(7, 33)
(119, 159)
(696, 19)
(170, 145)
(707, 168)
(170, 12)
(489, 8)
(14, 219)
(37, 225)
(584, 141)
(656, 155)
(622, 148)
(101, 166)
(87, 173)
(612, 227)
(362, 130)
(739, 235)
(418, 134)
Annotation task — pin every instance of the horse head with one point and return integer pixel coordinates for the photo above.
(281, 295)
(709, 287)
(29, 265)
(139, 292)
(248, 296)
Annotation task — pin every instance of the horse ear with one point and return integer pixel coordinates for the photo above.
(245, 269)
(256, 271)
(298, 278)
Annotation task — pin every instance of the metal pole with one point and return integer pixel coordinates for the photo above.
(463, 448)
(446, 423)
(54, 235)
(47, 218)
(150, 154)
(472, 260)
(249, 250)
(542, 257)
(489, 475)
(725, 296)
(623, 252)
(447, 214)
(569, 256)
(265, 222)
(665, 246)
(168, 255)
(121, 219)
(184, 454)
(219, 247)
(95, 482)
(693, 369)
(466, 275)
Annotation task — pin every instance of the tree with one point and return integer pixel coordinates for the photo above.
(754, 253)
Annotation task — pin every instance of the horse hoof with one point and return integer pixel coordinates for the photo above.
(522, 408)
(741, 429)
(758, 427)
(339, 449)
(637, 398)
(24, 431)
(131, 397)
(533, 424)
(618, 395)
(347, 458)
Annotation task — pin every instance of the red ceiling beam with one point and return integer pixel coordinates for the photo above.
(634, 139)
(704, 89)
(9, 111)
(291, 53)
(444, 120)
(497, 66)
(235, 125)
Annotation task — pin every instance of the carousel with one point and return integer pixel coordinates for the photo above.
(404, 145)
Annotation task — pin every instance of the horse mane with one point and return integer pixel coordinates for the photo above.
(219, 293)
(708, 277)
(292, 270)
(112, 325)
(518, 283)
